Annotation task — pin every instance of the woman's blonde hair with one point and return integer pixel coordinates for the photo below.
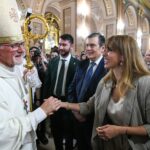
(133, 64)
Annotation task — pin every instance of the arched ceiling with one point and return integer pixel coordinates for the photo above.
(53, 6)
(131, 17)
(142, 4)
(146, 3)
(145, 26)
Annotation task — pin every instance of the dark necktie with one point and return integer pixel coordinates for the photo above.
(86, 81)
(60, 79)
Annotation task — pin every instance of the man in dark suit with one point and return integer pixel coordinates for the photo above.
(60, 74)
(83, 87)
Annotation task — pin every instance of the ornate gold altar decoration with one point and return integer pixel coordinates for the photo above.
(53, 22)
(28, 35)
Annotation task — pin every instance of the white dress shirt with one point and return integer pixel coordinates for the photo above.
(67, 60)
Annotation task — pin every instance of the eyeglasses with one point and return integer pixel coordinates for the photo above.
(15, 45)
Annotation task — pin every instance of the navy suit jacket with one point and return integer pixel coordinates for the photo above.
(77, 82)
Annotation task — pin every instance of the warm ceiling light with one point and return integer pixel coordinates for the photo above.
(120, 26)
(139, 33)
(139, 38)
(19, 14)
(83, 31)
(83, 8)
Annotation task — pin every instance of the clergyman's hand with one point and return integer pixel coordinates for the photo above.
(50, 105)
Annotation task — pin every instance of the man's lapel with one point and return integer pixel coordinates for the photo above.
(71, 67)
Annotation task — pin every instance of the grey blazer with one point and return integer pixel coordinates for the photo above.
(136, 111)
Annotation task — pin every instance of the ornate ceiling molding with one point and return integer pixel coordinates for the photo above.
(131, 16)
(108, 5)
(146, 3)
(37, 5)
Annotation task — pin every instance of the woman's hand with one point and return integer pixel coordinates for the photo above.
(79, 117)
(70, 106)
(107, 132)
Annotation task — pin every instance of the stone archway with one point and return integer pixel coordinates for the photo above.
(131, 22)
(53, 36)
(52, 11)
(145, 26)
(52, 6)
(145, 36)
(104, 17)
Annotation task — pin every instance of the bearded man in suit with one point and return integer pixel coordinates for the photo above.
(60, 74)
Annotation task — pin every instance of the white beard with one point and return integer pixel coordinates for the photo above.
(18, 62)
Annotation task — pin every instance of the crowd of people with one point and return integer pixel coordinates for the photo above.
(101, 99)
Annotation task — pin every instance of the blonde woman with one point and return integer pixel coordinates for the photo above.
(122, 99)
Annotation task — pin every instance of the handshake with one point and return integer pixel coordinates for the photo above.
(52, 104)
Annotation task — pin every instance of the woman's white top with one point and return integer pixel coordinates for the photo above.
(115, 111)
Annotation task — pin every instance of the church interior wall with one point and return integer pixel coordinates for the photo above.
(103, 17)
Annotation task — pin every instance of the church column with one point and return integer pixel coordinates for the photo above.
(120, 16)
(139, 25)
(68, 17)
(83, 24)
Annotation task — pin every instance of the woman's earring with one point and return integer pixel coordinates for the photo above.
(121, 63)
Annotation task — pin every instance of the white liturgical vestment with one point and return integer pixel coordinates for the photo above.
(17, 126)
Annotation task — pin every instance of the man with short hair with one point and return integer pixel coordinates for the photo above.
(147, 58)
(60, 73)
(87, 76)
(17, 125)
